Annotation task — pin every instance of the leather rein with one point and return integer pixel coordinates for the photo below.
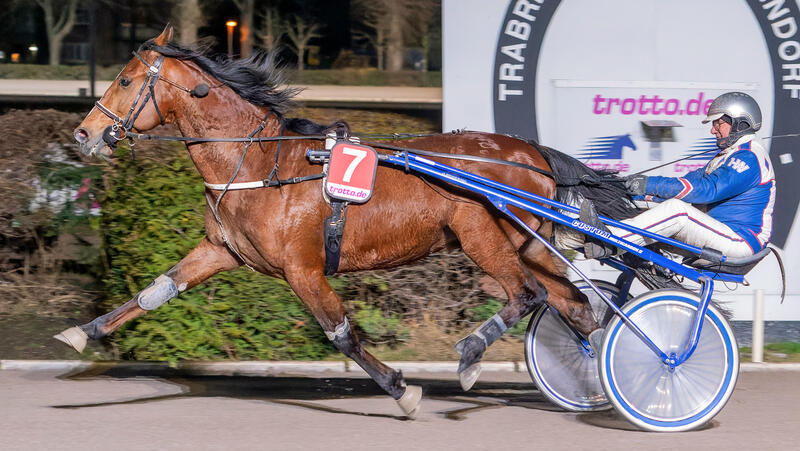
(123, 128)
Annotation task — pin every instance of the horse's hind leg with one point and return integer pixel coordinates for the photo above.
(202, 262)
(312, 287)
(485, 243)
(563, 295)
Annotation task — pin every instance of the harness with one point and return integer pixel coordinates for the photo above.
(122, 128)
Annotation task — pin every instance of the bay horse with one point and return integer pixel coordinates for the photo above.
(278, 230)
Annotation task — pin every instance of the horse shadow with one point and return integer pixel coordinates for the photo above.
(305, 392)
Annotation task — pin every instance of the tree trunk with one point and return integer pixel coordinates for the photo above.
(57, 28)
(53, 42)
(426, 49)
(55, 50)
(301, 51)
(395, 48)
(188, 18)
(247, 8)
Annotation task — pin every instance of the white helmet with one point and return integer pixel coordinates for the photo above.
(742, 112)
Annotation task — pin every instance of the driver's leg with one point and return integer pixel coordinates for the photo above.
(679, 220)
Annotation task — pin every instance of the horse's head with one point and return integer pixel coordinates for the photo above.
(135, 100)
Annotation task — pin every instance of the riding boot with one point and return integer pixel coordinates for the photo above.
(593, 247)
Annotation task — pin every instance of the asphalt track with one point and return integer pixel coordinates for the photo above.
(124, 409)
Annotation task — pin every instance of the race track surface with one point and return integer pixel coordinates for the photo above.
(124, 410)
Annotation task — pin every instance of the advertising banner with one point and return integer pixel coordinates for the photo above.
(624, 85)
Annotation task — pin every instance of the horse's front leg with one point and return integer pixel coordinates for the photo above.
(312, 287)
(202, 262)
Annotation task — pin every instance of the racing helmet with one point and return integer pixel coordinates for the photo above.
(743, 112)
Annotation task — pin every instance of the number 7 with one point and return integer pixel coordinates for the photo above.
(359, 156)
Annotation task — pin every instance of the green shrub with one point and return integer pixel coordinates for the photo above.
(375, 326)
(153, 216)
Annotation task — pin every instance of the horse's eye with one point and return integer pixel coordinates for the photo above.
(124, 81)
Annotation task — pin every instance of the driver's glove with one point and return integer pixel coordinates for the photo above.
(636, 185)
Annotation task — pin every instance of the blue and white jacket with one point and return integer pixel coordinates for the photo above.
(737, 185)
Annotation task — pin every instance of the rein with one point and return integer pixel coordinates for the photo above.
(454, 156)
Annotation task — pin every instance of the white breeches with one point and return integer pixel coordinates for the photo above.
(676, 219)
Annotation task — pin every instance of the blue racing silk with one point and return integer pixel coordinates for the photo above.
(737, 186)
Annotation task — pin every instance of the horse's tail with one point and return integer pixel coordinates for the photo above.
(575, 181)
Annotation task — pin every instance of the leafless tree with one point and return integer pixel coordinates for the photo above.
(188, 17)
(59, 18)
(270, 28)
(299, 33)
(246, 12)
(371, 14)
(393, 23)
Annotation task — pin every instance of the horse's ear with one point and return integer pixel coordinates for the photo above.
(165, 36)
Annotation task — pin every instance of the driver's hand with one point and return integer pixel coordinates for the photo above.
(636, 185)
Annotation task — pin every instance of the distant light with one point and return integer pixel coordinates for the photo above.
(33, 48)
(15, 57)
(231, 23)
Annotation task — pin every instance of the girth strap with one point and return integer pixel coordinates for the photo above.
(334, 230)
(334, 224)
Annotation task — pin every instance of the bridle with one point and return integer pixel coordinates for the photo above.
(122, 126)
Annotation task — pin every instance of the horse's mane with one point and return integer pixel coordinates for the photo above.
(576, 181)
(256, 78)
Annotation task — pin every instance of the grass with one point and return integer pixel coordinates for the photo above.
(361, 77)
(784, 352)
(44, 72)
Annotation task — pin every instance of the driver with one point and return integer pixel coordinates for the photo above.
(736, 189)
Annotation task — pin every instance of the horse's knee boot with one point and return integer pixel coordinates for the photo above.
(157, 293)
(160, 290)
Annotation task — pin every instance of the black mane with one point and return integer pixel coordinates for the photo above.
(576, 181)
(255, 78)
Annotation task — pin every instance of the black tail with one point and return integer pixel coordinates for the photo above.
(575, 180)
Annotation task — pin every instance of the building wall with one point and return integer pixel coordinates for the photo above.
(581, 76)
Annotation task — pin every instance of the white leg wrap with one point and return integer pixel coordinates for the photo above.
(157, 293)
(340, 330)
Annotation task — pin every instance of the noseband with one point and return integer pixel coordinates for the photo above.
(117, 132)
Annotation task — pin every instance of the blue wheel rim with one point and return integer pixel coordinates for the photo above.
(722, 392)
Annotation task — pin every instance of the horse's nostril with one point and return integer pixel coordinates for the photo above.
(81, 135)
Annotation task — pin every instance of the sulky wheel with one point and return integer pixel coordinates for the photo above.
(644, 389)
(563, 370)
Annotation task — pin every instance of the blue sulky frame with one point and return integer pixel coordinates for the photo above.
(503, 196)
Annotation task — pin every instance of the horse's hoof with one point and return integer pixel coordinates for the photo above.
(75, 337)
(410, 401)
(469, 376)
